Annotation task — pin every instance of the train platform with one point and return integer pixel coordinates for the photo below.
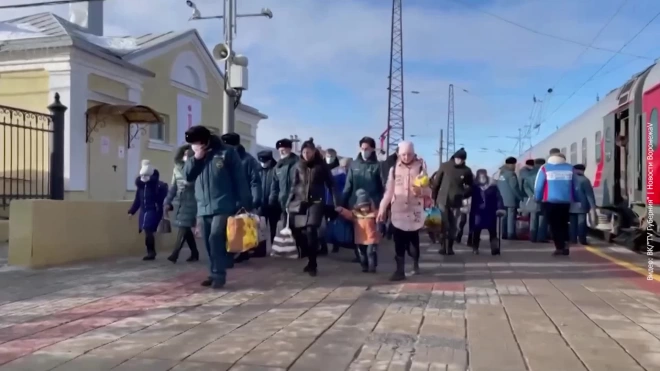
(523, 310)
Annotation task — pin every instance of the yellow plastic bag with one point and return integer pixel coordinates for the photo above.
(242, 233)
(422, 181)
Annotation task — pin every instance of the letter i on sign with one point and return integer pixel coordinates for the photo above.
(189, 116)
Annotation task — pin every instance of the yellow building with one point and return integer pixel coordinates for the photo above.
(99, 79)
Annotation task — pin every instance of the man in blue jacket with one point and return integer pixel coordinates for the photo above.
(586, 203)
(221, 189)
(555, 188)
(252, 173)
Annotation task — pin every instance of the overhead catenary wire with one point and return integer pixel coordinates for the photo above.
(602, 66)
(586, 49)
(46, 3)
(541, 33)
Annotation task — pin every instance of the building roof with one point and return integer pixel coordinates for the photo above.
(48, 30)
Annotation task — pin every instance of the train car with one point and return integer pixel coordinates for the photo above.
(616, 139)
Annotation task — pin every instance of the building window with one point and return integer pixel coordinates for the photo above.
(574, 157)
(654, 128)
(598, 144)
(563, 151)
(584, 151)
(159, 132)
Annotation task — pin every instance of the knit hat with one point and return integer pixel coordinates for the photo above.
(539, 161)
(461, 153)
(146, 169)
(284, 143)
(580, 167)
(529, 162)
(198, 134)
(308, 144)
(554, 151)
(231, 139)
(510, 161)
(362, 198)
(369, 140)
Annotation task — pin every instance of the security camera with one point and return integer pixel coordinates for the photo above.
(191, 4)
(267, 12)
(195, 12)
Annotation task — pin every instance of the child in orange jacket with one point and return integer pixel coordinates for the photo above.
(367, 237)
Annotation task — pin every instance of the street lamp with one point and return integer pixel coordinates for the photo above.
(236, 73)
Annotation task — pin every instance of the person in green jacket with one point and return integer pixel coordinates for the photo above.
(221, 189)
(281, 185)
(586, 203)
(181, 201)
(538, 226)
(509, 188)
(253, 174)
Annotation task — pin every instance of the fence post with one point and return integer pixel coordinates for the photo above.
(57, 110)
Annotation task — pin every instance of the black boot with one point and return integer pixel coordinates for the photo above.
(244, 256)
(193, 258)
(443, 246)
(207, 282)
(399, 274)
(323, 251)
(416, 266)
(150, 242)
(173, 258)
(335, 249)
(494, 247)
(450, 247)
(372, 260)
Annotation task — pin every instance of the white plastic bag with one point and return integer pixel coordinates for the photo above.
(284, 243)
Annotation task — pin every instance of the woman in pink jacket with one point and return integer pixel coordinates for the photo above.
(407, 204)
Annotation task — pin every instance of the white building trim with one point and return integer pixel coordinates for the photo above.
(192, 37)
(159, 145)
(187, 63)
(189, 90)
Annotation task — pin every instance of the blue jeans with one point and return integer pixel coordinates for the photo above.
(538, 227)
(508, 227)
(368, 255)
(578, 228)
(214, 233)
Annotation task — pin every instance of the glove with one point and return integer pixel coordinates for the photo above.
(500, 213)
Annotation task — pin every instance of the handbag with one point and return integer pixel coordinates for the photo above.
(164, 226)
(284, 244)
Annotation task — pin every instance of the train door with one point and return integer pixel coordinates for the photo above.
(610, 170)
(651, 104)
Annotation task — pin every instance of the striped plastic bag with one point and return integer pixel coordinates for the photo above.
(284, 244)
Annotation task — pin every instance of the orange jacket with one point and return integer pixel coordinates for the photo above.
(365, 226)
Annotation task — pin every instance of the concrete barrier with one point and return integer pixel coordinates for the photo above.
(4, 230)
(44, 233)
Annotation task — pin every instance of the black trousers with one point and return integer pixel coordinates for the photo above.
(558, 217)
(184, 236)
(476, 236)
(405, 241)
(307, 239)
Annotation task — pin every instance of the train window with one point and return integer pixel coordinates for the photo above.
(584, 151)
(574, 157)
(598, 145)
(654, 126)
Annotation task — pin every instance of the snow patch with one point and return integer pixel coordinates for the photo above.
(117, 44)
(19, 31)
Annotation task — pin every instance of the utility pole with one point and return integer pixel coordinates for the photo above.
(451, 135)
(224, 52)
(294, 140)
(441, 145)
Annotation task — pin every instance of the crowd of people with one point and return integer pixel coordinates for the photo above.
(215, 177)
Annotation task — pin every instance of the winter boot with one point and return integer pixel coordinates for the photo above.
(323, 249)
(372, 259)
(416, 266)
(193, 257)
(335, 249)
(364, 260)
(494, 247)
(443, 246)
(207, 282)
(450, 247)
(399, 274)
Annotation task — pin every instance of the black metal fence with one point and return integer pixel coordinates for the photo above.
(32, 150)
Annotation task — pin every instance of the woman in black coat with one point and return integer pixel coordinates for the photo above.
(306, 204)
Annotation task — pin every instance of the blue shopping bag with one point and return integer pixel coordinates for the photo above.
(339, 232)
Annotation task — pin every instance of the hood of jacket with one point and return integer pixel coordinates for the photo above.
(180, 152)
(154, 178)
(556, 160)
(334, 164)
(461, 153)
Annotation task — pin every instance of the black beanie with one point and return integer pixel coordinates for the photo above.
(510, 161)
(369, 140)
(231, 139)
(539, 161)
(460, 154)
(580, 167)
(265, 155)
(529, 162)
(284, 143)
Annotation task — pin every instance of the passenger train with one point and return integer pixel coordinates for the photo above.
(617, 141)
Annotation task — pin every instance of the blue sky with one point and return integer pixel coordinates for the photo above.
(319, 68)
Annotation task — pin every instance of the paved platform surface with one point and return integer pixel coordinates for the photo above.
(523, 310)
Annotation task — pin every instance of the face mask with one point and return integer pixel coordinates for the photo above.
(458, 161)
(264, 164)
(145, 178)
(185, 158)
(329, 160)
(284, 155)
(366, 153)
(482, 179)
(196, 147)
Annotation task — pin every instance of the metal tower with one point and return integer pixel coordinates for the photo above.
(395, 114)
(451, 135)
